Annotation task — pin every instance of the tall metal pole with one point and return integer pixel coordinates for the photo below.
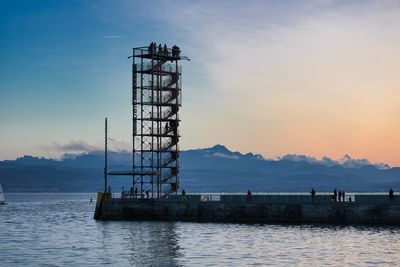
(134, 115)
(105, 156)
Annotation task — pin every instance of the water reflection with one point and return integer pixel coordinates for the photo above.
(140, 243)
(155, 243)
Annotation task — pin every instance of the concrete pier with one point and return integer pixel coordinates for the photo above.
(375, 209)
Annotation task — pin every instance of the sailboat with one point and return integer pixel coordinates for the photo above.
(2, 198)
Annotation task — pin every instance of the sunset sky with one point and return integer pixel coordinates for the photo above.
(320, 78)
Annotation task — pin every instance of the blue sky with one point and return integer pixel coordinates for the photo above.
(64, 68)
(272, 77)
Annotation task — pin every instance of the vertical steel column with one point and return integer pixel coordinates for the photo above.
(134, 115)
(177, 72)
(105, 156)
(152, 102)
(159, 132)
(141, 125)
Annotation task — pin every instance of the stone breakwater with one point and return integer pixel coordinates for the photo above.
(268, 208)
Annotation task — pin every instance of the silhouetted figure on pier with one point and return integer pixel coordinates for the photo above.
(147, 193)
(391, 194)
(150, 49)
(183, 194)
(249, 195)
(343, 196)
(335, 195)
(312, 194)
(135, 192)
(122, 192)
(340, 195)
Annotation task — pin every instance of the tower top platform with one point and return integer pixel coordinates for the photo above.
(166, 54)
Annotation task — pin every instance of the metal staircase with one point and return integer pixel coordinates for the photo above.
(156, 99)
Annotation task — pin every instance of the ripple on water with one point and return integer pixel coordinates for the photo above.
(58, 229)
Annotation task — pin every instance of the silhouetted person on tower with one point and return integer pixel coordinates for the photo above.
(166, 127)
(165, 50)
(160, 50)
(175, 51)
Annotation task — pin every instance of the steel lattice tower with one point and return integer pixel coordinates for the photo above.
(156, 99)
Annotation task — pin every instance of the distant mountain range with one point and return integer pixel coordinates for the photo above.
(214, 169)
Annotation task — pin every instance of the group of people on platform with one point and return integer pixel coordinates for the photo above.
(163, 50)
(133, 193)
(340, 195)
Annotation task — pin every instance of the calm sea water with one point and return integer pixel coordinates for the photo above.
(59, 230)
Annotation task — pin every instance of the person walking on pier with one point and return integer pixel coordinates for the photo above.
(312, 194)
(122, 192)
(335, 195)
(249, 195)
(391, 194)
(343, 196)
(340, 195)
(183, 194)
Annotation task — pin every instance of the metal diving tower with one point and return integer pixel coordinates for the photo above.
(156, 99)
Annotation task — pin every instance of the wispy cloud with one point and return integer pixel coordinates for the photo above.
(346, 161)
(119, 146)
(73, 146)
(111, 36)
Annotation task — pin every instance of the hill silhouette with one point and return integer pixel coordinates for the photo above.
(214, 169)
